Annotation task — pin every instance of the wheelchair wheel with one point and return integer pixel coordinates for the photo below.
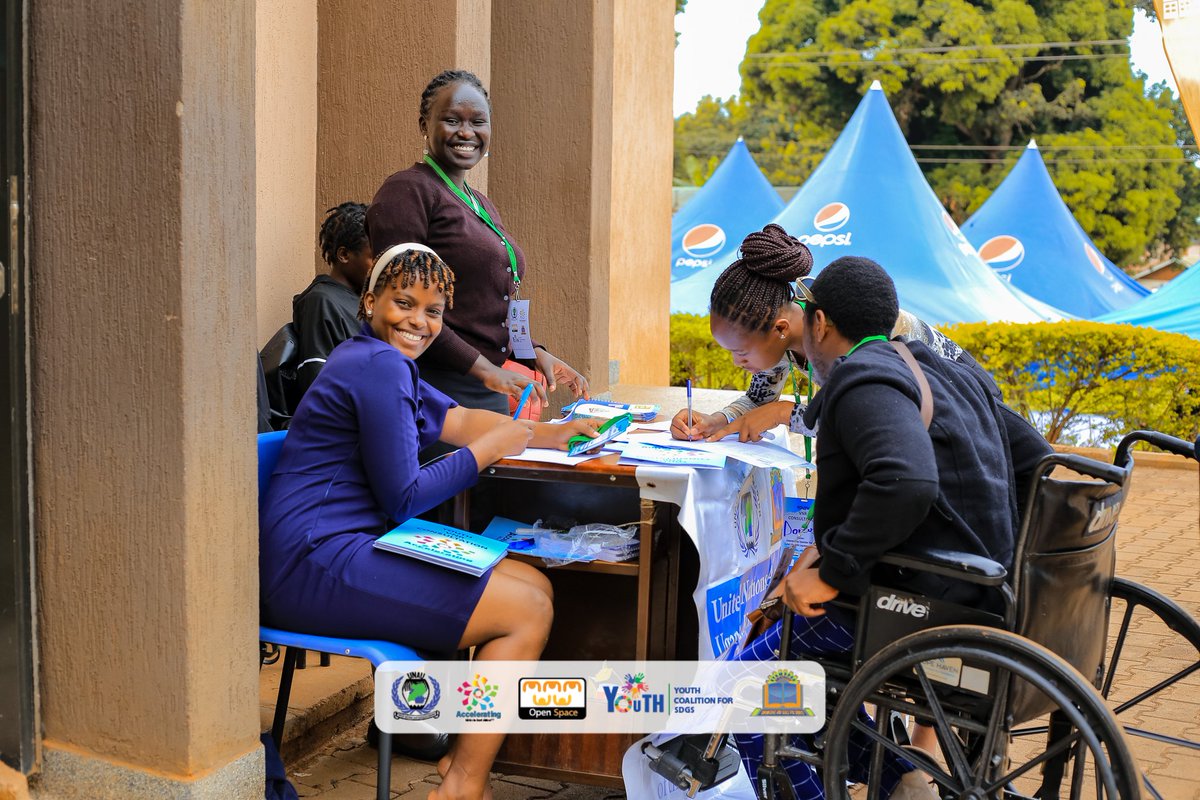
(1141, 620)
(964, 681)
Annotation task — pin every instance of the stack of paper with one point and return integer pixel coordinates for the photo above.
(606, 409)
(650, 453)
(443, 546)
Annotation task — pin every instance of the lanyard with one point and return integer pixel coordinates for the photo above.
(796, 394)
(878, 338)
(468, 197)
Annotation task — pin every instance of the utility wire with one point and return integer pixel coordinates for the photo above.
(880, 62)
(938, 48)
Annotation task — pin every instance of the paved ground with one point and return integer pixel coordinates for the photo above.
(1159, 547)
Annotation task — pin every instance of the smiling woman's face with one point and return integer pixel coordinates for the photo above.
(408, 319)
(459, 126)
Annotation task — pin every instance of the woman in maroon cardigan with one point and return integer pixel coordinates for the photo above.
(431, 203)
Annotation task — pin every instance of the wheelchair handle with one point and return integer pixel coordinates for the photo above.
(1162, 441)
(1117, 473)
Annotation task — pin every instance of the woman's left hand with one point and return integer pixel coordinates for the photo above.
(558, 371)
(751, 426)
(555, 436)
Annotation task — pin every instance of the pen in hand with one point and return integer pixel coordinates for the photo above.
(524, 397)
(689, 399)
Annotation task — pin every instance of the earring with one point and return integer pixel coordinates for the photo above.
(426, 145)
(369, 315)
(782, 336)
(487, 153)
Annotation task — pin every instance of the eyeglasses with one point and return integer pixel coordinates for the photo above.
(804, 290)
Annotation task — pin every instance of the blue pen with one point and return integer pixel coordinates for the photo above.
(689, 391)
(524, 396)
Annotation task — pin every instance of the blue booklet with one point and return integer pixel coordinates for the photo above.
(444, 546)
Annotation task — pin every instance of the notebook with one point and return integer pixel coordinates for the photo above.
(444, 546)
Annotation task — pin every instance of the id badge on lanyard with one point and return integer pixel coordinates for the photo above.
(518, 329)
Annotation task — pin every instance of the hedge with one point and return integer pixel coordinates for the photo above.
(1134, 378)
(1055, 373)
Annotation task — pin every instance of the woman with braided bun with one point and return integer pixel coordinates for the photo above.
(348, 472)
(432, 203)
(757, 314)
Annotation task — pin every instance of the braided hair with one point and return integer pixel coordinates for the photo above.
(344, 227)
(445, 78)
(751, 290)
(406, 268)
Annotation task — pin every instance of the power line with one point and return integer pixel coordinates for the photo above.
(982, 60)
(939, 48)
(927, 160)
(1045, 147)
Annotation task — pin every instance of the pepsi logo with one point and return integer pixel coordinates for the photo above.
(1094, 258)
(703, 240)
(831, 217)
(1002, 252)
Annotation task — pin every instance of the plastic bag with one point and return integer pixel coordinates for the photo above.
(594, 541)
(642, 783)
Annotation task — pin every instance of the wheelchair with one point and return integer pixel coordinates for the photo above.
(1016, 694)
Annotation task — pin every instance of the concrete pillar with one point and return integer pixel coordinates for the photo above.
(142, 265)
(552, 166)
(285, 150)
(1180, 23)
(643, 135)
(374, 61)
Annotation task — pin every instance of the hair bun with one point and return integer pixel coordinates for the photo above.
(775, 254)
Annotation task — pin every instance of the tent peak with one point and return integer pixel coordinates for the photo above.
(1032, 145)
(739, 138)
(876, 86)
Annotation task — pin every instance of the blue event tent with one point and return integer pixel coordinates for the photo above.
(736, 200)
(1026, 233)
(868, 198)
(1175, 307)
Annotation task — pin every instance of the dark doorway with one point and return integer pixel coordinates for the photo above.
(16, 547)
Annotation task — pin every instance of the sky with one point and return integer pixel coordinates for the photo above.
(713, 34)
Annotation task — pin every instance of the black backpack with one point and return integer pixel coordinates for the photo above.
(280, 358)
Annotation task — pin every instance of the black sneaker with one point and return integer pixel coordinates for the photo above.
(421, 746)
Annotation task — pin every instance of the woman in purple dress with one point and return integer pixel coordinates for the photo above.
(348, 472)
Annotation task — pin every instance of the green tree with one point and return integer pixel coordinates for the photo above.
(956, 74)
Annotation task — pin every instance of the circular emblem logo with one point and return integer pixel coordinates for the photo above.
(1094, 258)
(704, 240)
(831, 217)
(415, 696)
(1002, 252)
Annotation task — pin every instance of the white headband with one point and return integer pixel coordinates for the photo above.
(387, 255)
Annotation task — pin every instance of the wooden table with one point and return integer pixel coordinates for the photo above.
(638, 609)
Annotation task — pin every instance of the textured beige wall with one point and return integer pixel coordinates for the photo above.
(285, 116)
(142, 264)
(551, 166)
(643, 131)
(374, 61)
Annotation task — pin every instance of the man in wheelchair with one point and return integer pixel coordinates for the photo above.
(914, 456)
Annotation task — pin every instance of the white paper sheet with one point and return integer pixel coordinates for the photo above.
(547, 456)
(767, 453)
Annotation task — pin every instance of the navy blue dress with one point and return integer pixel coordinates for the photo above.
(348, 472)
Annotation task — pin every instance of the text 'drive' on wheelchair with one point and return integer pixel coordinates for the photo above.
(1017, 698)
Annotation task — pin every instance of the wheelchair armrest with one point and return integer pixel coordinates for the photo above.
(951, 564)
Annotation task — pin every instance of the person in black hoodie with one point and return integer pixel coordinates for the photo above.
(326, 313)
(886, 483)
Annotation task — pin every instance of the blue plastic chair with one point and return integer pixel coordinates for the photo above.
(377, 652)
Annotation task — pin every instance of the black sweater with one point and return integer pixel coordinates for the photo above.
(888, 484)
(324, 315)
